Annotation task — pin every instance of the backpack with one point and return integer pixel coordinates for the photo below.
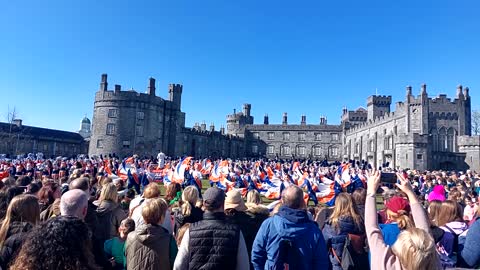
(354, 254)
(458, 241)
(288, 255)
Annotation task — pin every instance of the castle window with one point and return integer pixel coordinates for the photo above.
(285, 150)
(99, 143)
(256, 135)
(112, 113)
(334, 136)
(140, 115)
(286, 136)
(271, 135)
(318, 136)
(254, 149)
(301, 151)
(271, 149)
(110, 129)
(419, 156)
(139, 131)
(317, 151)
(301, 136)
(126, 144)
(450, 139)
(333, 152)
(45, 147)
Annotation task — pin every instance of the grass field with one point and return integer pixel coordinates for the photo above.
(206, 185)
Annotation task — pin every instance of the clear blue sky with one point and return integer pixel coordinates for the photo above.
(302, 57)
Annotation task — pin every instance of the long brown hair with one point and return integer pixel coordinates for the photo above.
(434, 211)
(450, 211)
(345, 207)
(22, 208)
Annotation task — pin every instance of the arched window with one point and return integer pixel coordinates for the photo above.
(442, 139)
(301, 150)
(450, 140)
(434, 134)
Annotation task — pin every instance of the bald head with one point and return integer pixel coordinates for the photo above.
(292, 197)
(74, 203)
(79, 183)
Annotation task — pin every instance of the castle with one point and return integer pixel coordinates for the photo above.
(422, 133)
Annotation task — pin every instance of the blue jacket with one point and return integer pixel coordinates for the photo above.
(336, 238)
(306, 248)
(390, 233)
(470, 255)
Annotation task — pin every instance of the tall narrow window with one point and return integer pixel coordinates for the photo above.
(110, 129)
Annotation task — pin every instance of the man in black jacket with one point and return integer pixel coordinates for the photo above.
(210, 243)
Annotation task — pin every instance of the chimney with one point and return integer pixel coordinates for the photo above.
(151, 86)
(284, 121)
(222, 130)
(212, 127)
(203, 126)
(118, 88)
(423, 89)
(265, 119)
(234, 111)
(466, 92)
(409, 91)
(17, 122)
(303, 120)
(322, 120)
(345, 110)
(103, 82)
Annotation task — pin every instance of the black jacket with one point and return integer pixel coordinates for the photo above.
(180, 219)
(16, 235)
(212, 243)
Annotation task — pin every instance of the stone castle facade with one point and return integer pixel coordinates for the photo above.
(422, 133)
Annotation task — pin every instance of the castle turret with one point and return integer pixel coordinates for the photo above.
(151, 87)
(104, 83)
(460, 95)
(285, 119)
(265, 119)
(85, 126)
(409, 92)
(246, 109)
(118, 88)
(175, 94)
(423, 90)
(378, 106)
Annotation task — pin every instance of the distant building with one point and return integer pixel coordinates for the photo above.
(85, 128)
(18, 139)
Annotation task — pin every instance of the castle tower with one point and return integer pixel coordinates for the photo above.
(104, 83)
(246, 109)
(378, 106)
(175, 94)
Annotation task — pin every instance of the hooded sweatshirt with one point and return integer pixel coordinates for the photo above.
(109, 215)
(448, 239)
(303, 234)
(150, 246)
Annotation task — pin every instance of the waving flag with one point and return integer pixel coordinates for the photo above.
(206, 166)
(179, 173)
(343, 175)
(327, 192)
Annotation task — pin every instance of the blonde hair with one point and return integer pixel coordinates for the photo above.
(433, 211)
(181, 232)
(154, 210)
(416, 250)
(152, 190)
(189, 198)
(253, 197)
(108, 193)
(22, 208)
(402, 219)
(345, 207)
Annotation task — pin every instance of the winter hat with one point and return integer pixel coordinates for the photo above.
(214, 197)
(234, 201)
(397, 204)
(438, 193)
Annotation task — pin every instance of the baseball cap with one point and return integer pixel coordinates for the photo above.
(214, 197)
(397, 204)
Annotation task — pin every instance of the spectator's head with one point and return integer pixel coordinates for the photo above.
(74, 203)
(292, 197)
(235, 202)
(22, 208)
(449, 211)
(359, 196)
(126, 226)
(189, 198)
(433, 211)
(344, 207)
(33, 189)
(213, 200)
(253, 197)
(438, 193)
(398, 210)
(416, 249)
(23, 181)
(152, 190)
(154, 211)
(108, 193)
(60, 243)
(81, 183)
(388, 194)
(171, 191)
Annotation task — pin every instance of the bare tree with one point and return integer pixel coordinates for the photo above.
(475, 122)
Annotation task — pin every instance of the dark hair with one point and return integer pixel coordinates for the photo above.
(33, 188)
(45, 197)
(359, 196)
(23, 181)
(60, 243)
